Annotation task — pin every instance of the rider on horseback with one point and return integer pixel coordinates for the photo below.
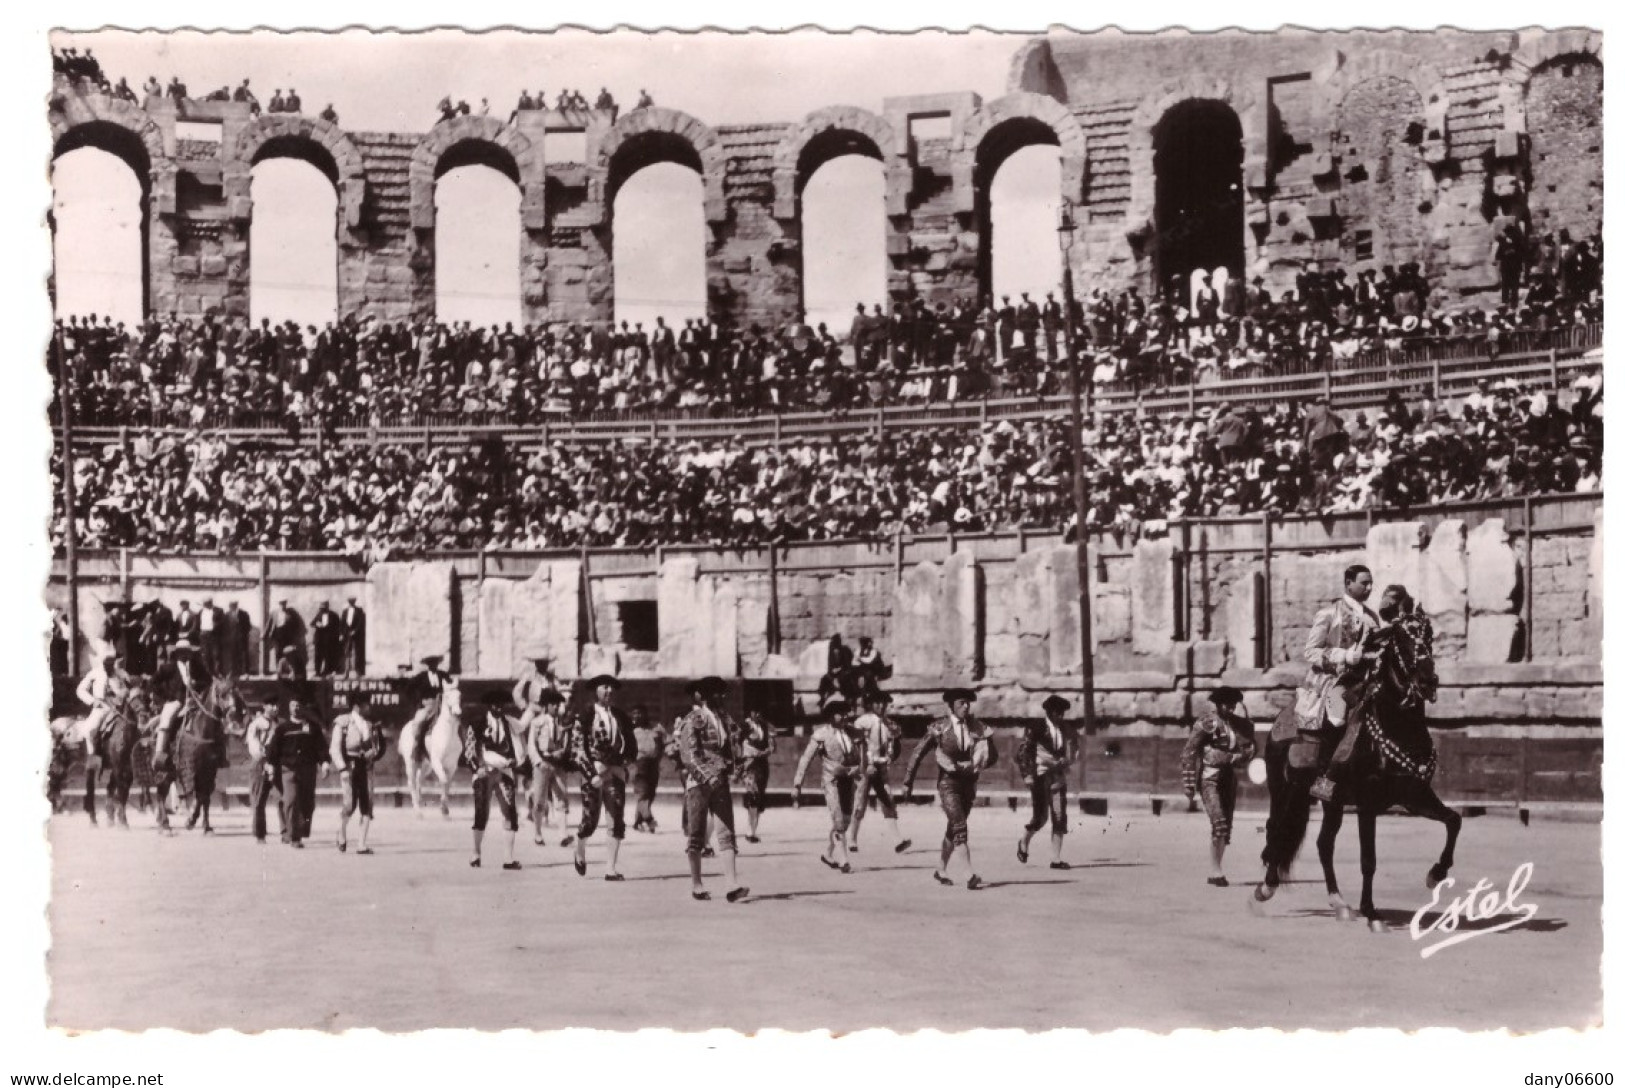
(183, 679)
(428, 684)
(1334, 651)
(102, 689)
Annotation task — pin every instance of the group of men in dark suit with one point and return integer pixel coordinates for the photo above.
(144, 633)
(338, 640)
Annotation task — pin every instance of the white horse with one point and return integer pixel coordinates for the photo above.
(441, 751)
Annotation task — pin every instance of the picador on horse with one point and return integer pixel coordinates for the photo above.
(1356, 735)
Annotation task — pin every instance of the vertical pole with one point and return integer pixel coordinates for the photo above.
(1182, 575)
(1264, 597)
(586, 596)
(64, 385)
(1552, 358)
(265, 613)
(1528, 579)
(1080, 498)
(1207, 601)
(124, 575)
(773, 637)
(897, 555)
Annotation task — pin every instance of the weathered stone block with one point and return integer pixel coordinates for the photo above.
(539, 616)
(1491, 639)
(1492, 569)
(1151, 590)
(600, 660)
(409, 611)
(1208, 658)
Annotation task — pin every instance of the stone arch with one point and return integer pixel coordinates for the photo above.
(464, 141)
(827, 133)
(647, 136)
(1392, 202)
(80, 118)
(994, 132)
(1021, 110)
(1558, 132)
(1405, 67)
(122, 129)
(322, 144)
(1522, 65)
(1248, 106)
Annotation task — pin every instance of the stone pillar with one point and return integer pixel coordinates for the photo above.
(537, 616)
(1442, 590)
(938, 620)
(1152, 596)
(699, 629)
(1493, 594)
(409, 612)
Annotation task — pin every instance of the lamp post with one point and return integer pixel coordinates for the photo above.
(1065, 228)
(64, 388)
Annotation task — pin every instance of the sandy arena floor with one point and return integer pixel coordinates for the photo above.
(199, 933)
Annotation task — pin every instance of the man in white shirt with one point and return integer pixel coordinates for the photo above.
(842, 770)
(260, 784)
(98, 690)
(881, 746)
(356, 743)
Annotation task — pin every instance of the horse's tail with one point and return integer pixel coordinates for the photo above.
(1288, 824)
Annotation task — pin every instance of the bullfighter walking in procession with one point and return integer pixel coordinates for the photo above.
(841, 773)
(1044, 756)
(1220, 741)
(605, 750)
(882, 744)
(705, 740)
(964, 749)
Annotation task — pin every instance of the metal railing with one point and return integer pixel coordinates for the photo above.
(1438, 368)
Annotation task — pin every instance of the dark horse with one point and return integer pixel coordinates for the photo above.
(195, 750)
(126, 748)
(1390, 762)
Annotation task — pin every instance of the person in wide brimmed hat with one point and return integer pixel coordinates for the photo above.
(608, 749)
(705, 748)
(1220, 741)
(964, 749)
(427, 686)
(842, 771)
(1047, 749)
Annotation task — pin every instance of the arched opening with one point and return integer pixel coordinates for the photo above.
(293, 241)
(1026, 201)
(1018, 196)
(843, 229)
(1199, 200)
(98, 208)
(1564, 110)
(657, 207)
(476, 237)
